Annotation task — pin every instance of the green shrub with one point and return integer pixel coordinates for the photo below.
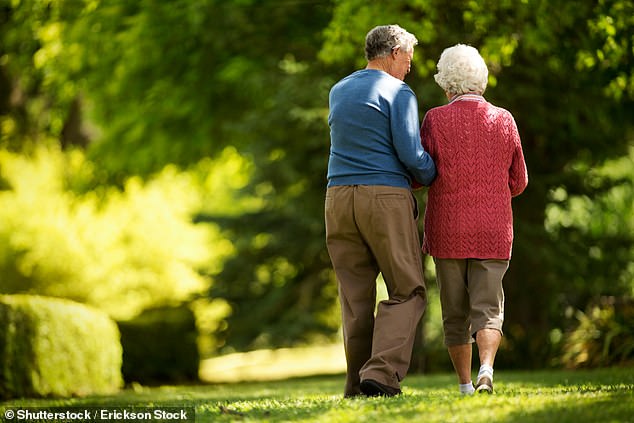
(55, 347)
(160, 345)
(118, 249)
(603, 335)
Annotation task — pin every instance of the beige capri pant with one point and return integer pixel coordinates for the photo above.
(471, 297)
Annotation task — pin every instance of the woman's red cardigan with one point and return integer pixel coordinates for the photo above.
(478, 155)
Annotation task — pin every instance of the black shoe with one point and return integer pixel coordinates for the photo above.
(352, 396)
(372, 388)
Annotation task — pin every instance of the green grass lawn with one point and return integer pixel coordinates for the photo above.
(605, 395)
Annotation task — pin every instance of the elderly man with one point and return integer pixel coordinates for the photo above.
(371, 214)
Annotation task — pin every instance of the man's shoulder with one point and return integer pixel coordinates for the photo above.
(372, 80)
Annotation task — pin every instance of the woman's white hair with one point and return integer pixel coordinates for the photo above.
(462, 70)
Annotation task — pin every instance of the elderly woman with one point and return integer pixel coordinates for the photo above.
(468, 218)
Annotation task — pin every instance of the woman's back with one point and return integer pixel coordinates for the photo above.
(477, 151)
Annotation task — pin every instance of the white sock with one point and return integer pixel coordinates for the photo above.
(486, 370)
(467, 388)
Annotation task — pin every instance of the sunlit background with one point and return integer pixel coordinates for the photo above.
(161, 156)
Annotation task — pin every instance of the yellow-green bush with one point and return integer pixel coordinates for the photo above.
(55, 347)
(119, 249)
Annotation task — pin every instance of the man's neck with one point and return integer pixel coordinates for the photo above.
(382, 64)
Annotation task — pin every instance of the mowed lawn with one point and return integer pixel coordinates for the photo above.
(602, 395)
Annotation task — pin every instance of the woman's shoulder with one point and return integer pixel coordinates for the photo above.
(498, 110)
(438, 110)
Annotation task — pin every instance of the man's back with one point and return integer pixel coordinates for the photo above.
(374, 131)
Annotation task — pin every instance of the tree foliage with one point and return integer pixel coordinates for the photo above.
(143, 85)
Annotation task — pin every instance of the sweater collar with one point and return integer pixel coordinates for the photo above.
(467, 97)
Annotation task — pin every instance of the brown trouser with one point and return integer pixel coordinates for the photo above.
(372, 229)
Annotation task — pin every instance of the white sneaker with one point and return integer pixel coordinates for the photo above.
(484, 384)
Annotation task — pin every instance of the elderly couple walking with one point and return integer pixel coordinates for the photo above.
(470, 155)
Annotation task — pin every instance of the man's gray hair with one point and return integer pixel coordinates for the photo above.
(381, 40)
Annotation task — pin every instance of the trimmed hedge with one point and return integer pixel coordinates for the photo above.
(55, 347)
(160, 346)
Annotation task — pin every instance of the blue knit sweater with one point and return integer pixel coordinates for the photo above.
(375, 133)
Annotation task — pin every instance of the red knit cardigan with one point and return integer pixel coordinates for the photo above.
(478, 155)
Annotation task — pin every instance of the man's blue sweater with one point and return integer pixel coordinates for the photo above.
(375, 133)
